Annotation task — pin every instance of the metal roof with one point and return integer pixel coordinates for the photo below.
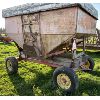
(38, 7)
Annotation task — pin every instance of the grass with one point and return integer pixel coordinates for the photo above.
(35, 79)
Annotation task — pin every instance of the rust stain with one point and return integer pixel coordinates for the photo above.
(61, 21)
(49, 28)
(13, 27)
(85, 23)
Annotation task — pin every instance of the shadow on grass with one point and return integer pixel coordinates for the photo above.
(8, 43)
(22, 88)
(41, 79)
(88, 87)
(95, 73)
(44, 84)
(27, 89)
(95, 54)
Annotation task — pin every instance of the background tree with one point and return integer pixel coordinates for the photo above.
(2, 30)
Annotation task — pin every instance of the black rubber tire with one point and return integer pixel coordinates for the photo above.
(72, 76)
(13, 67)
(92, 64)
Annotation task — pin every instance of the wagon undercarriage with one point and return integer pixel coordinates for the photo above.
(65, 62)
(66, 57)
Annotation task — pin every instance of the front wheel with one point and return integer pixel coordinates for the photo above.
(11, 65)
(65, 79)
(89, 65)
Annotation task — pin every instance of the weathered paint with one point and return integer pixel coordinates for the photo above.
(61, 21)
(48, 30)
(56, 26)
(14, 29)
(85, 23)
(52, 41)
(31, 31)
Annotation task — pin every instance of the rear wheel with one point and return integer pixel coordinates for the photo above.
(65, 79)
(12, 65)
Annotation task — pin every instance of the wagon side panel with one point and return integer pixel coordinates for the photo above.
(31, 32)
(57, 26)
(13, 27)
(86, 24)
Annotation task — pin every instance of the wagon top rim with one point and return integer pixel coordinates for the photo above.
(38, 7)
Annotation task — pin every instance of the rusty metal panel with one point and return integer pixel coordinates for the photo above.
(28, 39)
(45, 31)
(35, 28)
(31, 23)
(51, 41)
(26, 29)
(30, 27)
(31, 31)
(29, 50)
(86, 24)
(25, 19)
(57, 26)
(13, 27)
(34, 18)
(62, 21)
(34, 21)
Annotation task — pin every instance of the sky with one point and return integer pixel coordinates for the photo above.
(10, 3)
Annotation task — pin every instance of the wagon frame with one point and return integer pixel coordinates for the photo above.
(61, 55)
(65, 67)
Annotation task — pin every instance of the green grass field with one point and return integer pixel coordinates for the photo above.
(35, 79)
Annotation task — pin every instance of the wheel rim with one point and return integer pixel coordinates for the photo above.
(63, 81)
(87, 65)
(9, 65)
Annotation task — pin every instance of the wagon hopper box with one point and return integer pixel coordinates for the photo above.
(47, 27)
(48, 33)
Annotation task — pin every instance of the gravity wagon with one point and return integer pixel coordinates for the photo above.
(49, 33)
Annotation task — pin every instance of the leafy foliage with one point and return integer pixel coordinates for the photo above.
(2, 30)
